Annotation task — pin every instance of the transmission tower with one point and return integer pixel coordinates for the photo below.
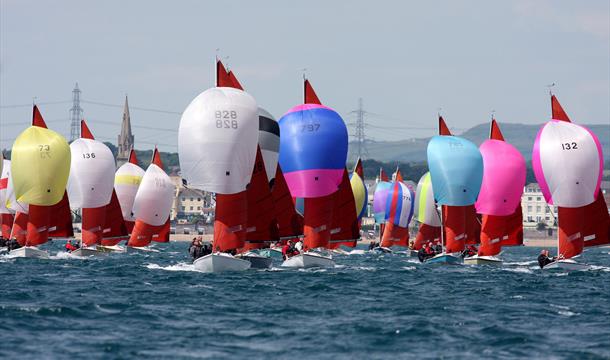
(360, 135)
(76, 114)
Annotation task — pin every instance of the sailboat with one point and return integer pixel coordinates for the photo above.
(6, 214)
(380, 197)
(289, 220)
(261, 224)
(568, 163)
(39, 169)
(349, 205)
(90, 188)
(344, 227)
(217, 147)
(500, 196)
(313, 152)
(426, 214)
(127, 180)
(456, 172)
(18, 230)
(398, 214)
(151, 206)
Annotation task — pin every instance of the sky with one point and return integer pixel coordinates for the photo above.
(405, 59)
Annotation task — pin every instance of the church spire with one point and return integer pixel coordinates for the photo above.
(126, 138)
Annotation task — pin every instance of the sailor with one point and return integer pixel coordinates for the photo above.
(372, 245)
(471, 250)
(12, 244)
(3, 242)
(544, 259)
(425, 252)
(70, 247)
(285, 249)
(195, 249)
(206, 249)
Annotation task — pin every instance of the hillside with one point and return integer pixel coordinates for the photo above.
(520, 135)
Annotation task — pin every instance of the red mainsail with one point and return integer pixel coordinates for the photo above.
(426, 234)
(7, 224)
(345, 227)
(19, 229)
(230, 222)
(454, 226)
(317, 222)
(261, 225)
(115, 229)
(290, 222)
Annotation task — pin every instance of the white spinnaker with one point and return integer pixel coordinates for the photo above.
(269, 141)
(404, 203)
(6, 171)
(570, 161)
(425, 208)
(11, 202)
(127, 180)
(217, 140)
(91, 177)
(154, 198)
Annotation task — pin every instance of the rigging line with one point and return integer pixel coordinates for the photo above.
(38, 103)
(93, 121)
(131, 107)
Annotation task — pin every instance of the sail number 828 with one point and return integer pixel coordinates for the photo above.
(226, 119)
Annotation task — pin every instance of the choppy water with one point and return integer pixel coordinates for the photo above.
(154, 305)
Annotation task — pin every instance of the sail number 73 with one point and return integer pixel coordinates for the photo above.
(226, 119)
(569, 146)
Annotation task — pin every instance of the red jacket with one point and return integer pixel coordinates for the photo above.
(70, 247)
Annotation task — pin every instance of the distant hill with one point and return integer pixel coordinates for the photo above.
(520, 135)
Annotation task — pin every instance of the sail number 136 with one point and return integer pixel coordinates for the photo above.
(569, 146)
(226, 119)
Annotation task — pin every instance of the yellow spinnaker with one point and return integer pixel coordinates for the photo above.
(40, 166)
(359, 190)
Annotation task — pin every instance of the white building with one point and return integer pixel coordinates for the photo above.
(535, 208)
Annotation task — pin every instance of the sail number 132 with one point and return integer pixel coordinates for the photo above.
(569, 146)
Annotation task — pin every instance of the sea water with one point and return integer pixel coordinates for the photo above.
(371, 306)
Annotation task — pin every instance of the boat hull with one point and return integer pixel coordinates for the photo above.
(88, 251)
(219, 262)
(445, 259)
(568, 264)
(383, 249)
(257, 261)
(309, 260)
(274, 253)
(114, 248)
(29, 252)
(483, 260)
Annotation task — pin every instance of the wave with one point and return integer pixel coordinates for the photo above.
(175, 267)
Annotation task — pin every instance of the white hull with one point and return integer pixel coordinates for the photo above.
(220, 262)
(383, 249)
(140, 248)
(115, 248)
(308, 260)
(483, 260)
(88, 251)
(568, 264)
(256, 260)
(29, 252)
